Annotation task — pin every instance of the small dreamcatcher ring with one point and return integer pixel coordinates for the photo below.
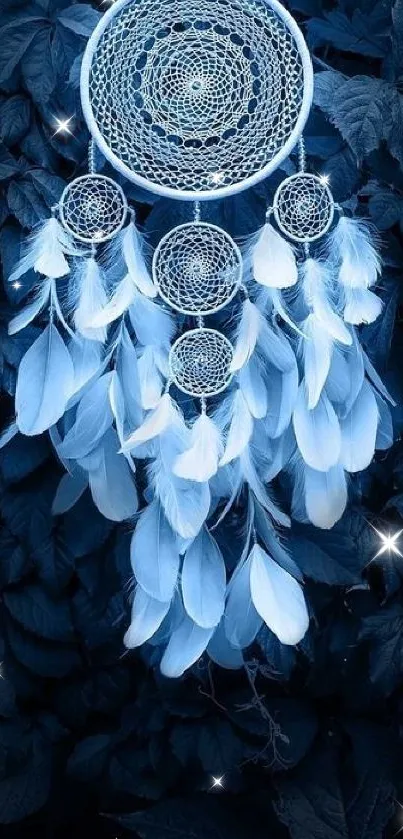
(197, 268)
(93, 208)
(303, 207)
(199, 362)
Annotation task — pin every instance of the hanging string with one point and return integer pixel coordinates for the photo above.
(301, 155)
(91, 157)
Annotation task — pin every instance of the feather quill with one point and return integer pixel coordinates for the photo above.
(273, 260)
(150, 378)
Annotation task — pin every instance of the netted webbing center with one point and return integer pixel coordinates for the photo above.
(197, 96)
(200, 362)
(197, 268)
(93, 208)
(303, 207)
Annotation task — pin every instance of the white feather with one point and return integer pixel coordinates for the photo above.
(358, 431)
(45, 252)
(132, 248)
(375, 379)
(253, 387)
(86, 356)
(251, 476)
(155, 423)
(200, 461)
(8, 434)
(120, 301)
(150, 378)
(278, 598)
(154, 554)
(241, 620)
(274, 295)
(91, 301)
(33, 309)
(70, 488)
(384, 434)
(203, 581)
(361, 306)
(45, 383)
(354, 247)
(338, 379)
(283, 389)
(317, 352)
(247, 335)
(274, 345)
(222, 652)
(356, 372)
(273, 260)
(147, 616)
(185, 646)
(317, 280)
(325, 495)
(93, 418)
(111, 482)
(127, 370)
(240, 429)
(317, 431)
(152, 324)
(186, 503)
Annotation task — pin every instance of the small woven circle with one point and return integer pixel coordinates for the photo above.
(197, 268)
(196, 99)
(200, 361)
(303, 207)
(93, 208)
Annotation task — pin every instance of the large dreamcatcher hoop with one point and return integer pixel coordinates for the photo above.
(196, 101)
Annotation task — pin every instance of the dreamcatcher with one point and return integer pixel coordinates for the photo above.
(199, 102)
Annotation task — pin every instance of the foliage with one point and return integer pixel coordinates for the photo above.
(308, 739)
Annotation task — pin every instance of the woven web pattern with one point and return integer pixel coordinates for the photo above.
(303, 207)
(199, 362)
(93, 208)
(197, 95)
(197, 268)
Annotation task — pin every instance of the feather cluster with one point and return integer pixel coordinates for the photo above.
(304, 399)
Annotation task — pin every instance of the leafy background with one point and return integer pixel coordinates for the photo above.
(91, 739)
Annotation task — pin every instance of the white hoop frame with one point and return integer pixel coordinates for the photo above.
(219, 192)
(233, 245)
(317, 179)
(86, 239)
